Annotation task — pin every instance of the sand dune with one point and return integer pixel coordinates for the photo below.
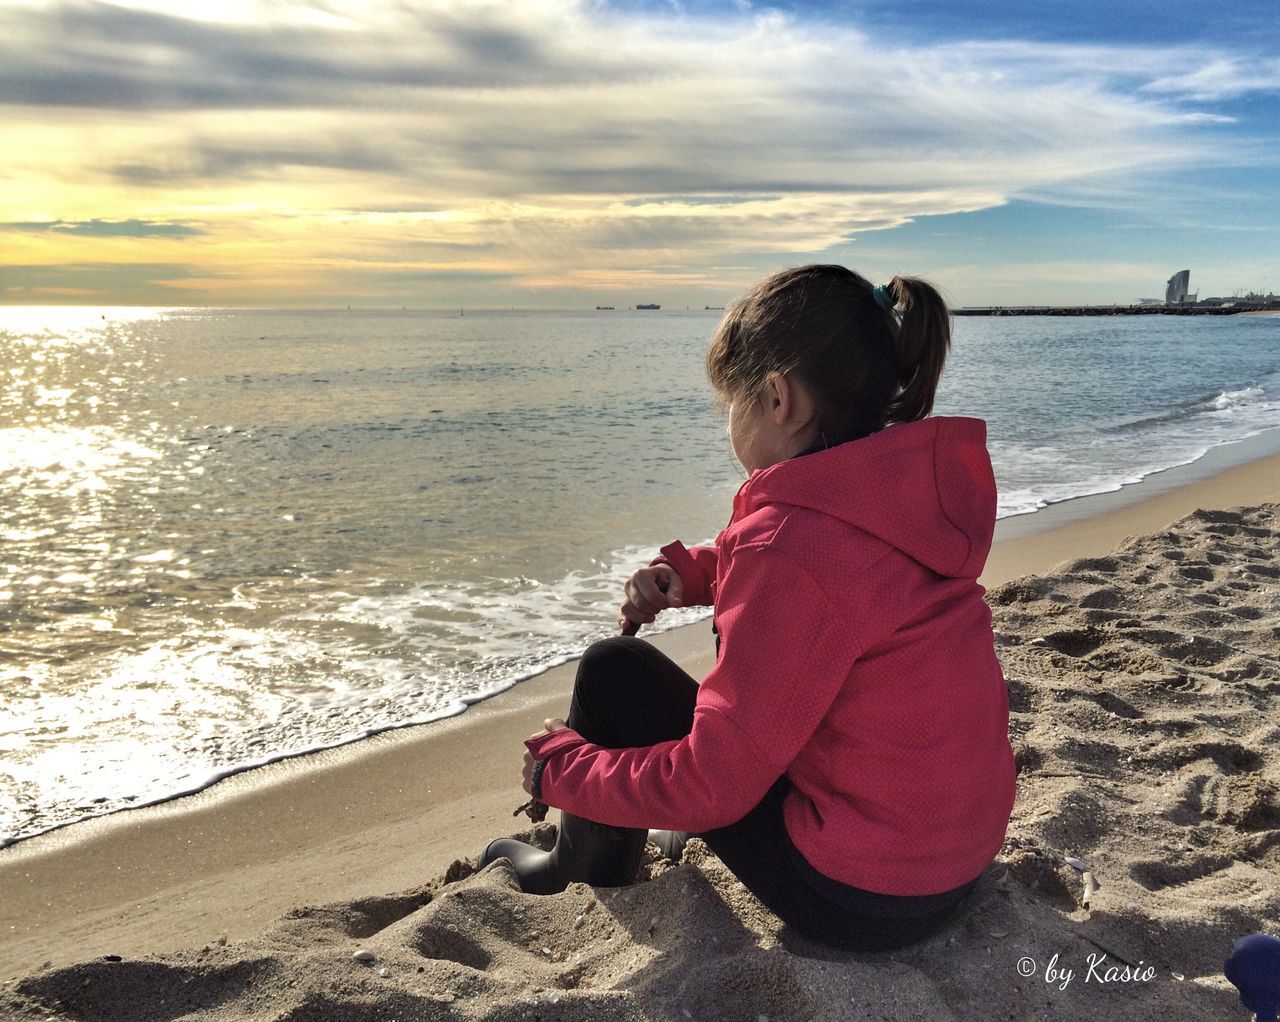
(1144, 692)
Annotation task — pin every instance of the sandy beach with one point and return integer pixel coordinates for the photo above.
(1138, 634)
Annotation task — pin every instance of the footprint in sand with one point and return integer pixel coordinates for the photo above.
(1114, 705)
(1196, 572)
(1181, 683)
(1022, 697)
(1243, 802)
(1105, 598)
(1230, 757)
(1246, 803)
(1097, 565)
(1157, 875)
(1076, 642)
(447, 945)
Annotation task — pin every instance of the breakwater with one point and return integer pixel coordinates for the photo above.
(1117, 310)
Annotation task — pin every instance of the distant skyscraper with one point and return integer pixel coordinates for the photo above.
(1175, 292)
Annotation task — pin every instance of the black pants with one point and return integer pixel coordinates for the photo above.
(629, 694)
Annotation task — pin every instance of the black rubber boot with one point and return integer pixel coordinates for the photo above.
(670, 842)
(588, 852)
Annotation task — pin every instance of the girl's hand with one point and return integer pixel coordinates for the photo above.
(649, 591)
(548, 725)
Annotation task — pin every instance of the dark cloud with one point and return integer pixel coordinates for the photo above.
(203, 161)
(104, 228)
(700, 200)
(391, 279)
(96, 55)
(487, 45)
(400, 208)
(120, 283)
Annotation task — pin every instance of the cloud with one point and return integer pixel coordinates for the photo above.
(1220, 78)
(104, 228)
(554, 139)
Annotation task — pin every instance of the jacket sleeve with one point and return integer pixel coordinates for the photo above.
(785, 654)
(696, 568)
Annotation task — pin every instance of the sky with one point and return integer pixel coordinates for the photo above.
(574, 153)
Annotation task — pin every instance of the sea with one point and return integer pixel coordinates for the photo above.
(230, 536)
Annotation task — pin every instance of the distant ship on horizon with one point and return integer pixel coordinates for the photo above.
(648, 306)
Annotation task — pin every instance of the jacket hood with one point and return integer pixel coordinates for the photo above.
(924, 487)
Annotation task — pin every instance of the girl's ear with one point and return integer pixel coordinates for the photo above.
(787, 401)
(776, 398)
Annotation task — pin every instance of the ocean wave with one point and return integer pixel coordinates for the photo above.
(468, 633)
(1212, 403)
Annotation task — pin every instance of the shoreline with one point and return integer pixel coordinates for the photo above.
(388, 812)
(1225, 476)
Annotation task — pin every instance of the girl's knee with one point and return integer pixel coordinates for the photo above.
(628, 693)
(609, 658)
(614, 645)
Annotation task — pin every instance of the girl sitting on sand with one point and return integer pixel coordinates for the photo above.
(848, 756)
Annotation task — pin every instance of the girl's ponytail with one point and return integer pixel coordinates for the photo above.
(922, 341)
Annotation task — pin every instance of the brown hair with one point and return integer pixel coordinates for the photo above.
(866, 366)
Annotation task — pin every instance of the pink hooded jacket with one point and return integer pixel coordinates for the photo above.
(856, 657)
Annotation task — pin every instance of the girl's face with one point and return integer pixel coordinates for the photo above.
(776, 424)
(748, 434)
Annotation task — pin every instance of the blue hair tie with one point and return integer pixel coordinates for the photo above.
(883, 299)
